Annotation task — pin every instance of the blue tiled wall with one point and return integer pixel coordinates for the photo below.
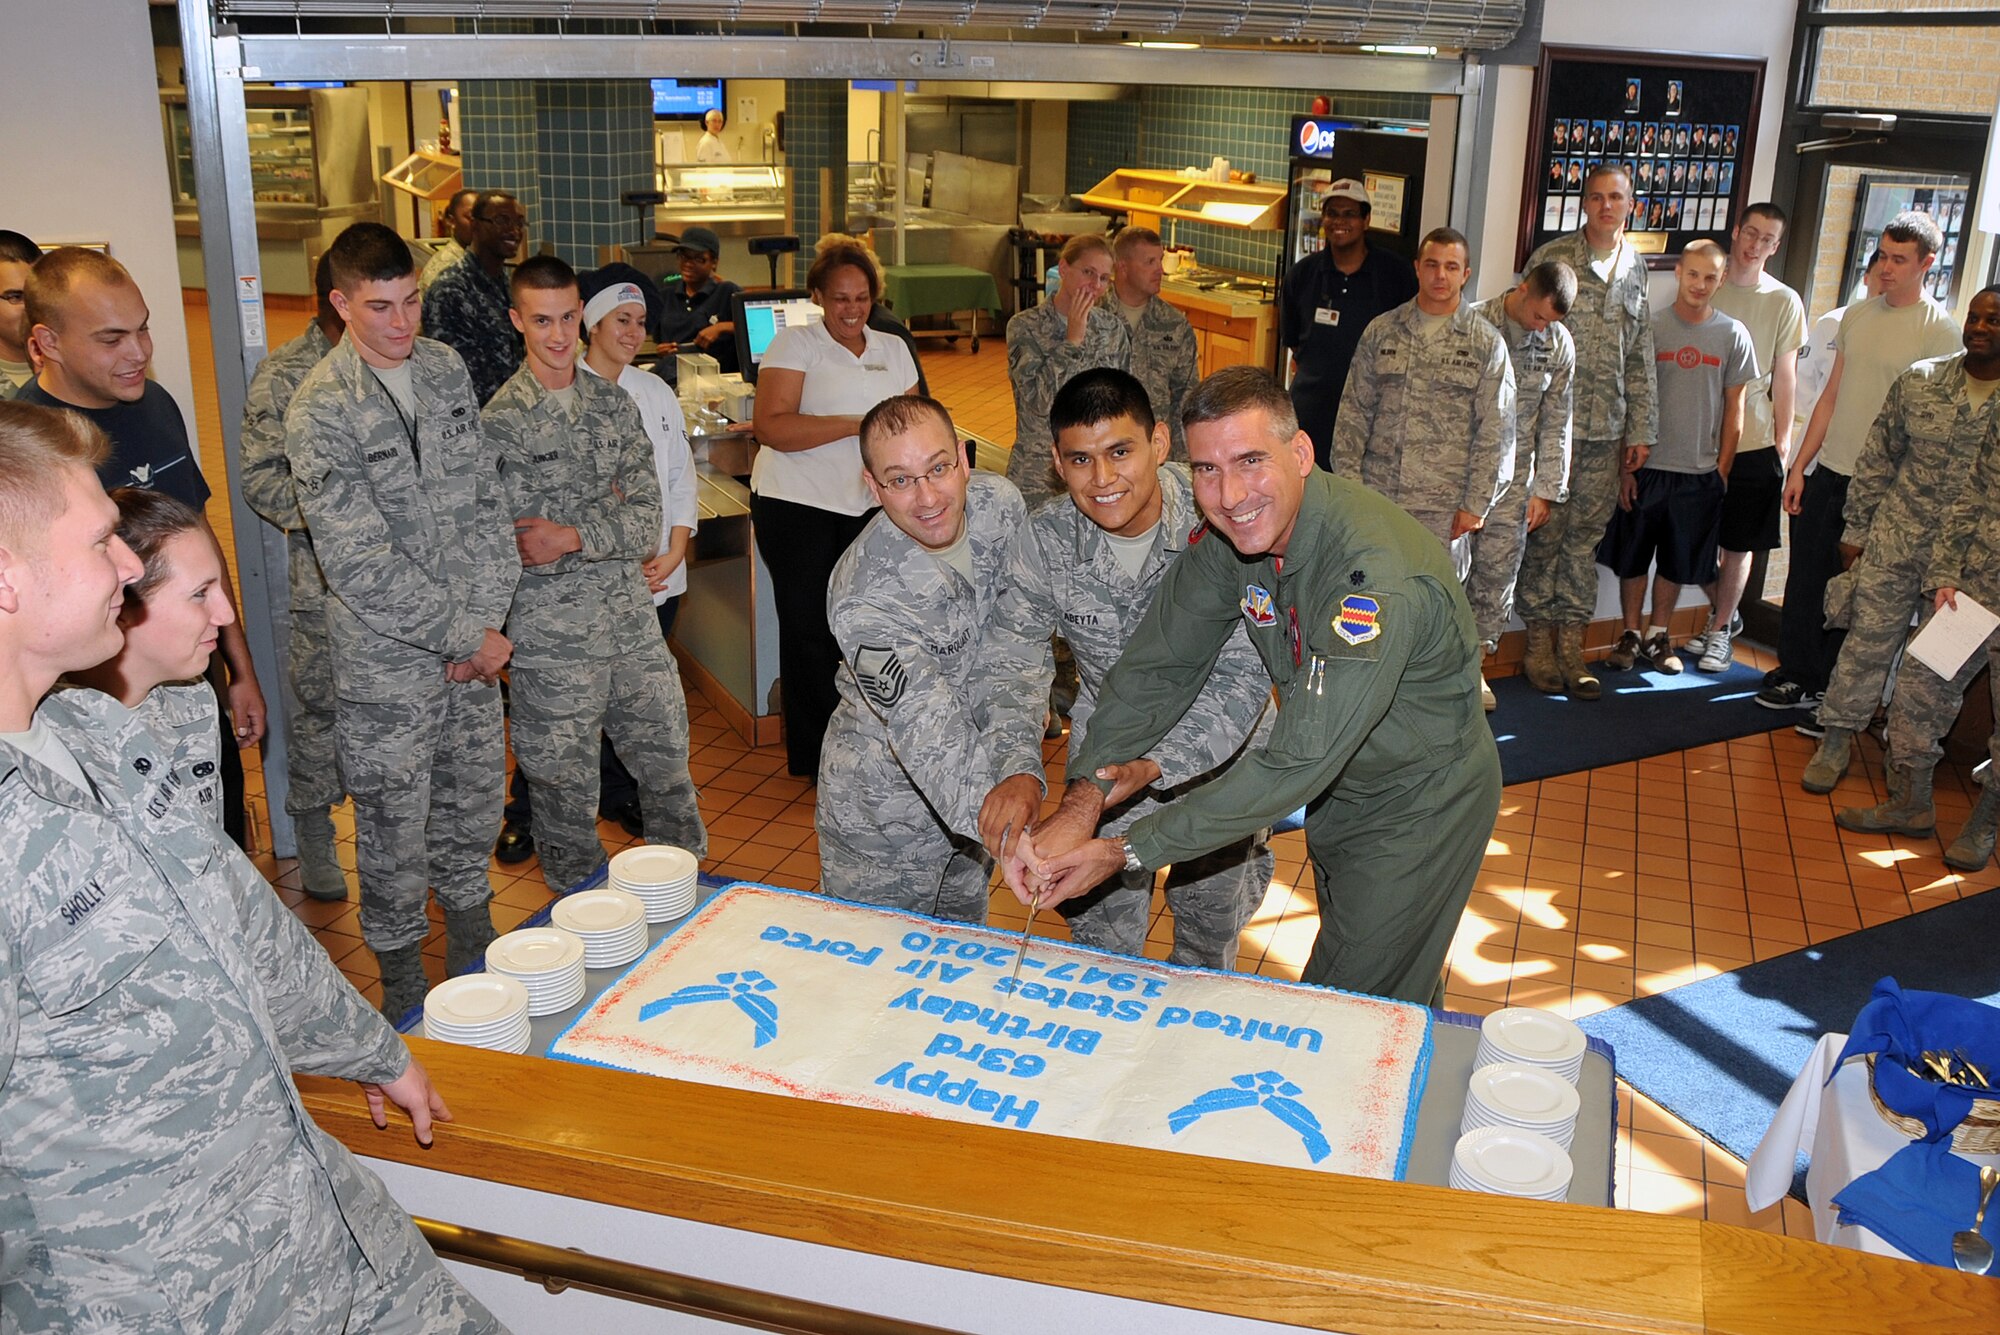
(596, 143)
(816, 138)
(496, 121)
(1170, 128)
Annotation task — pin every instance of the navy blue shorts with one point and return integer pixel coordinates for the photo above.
(1676, 519)
(1750, 511)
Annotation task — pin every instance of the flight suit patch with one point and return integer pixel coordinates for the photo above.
(1257, 606)
(880, 674)
(1358, 619)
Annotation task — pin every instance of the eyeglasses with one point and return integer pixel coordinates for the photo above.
(502, 219)
(902, 482)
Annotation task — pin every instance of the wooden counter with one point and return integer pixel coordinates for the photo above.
(1231, 328)
(1316, 1250)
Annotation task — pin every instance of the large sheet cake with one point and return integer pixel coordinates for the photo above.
(818, 998)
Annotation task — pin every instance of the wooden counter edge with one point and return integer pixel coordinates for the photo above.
(1335, 1253)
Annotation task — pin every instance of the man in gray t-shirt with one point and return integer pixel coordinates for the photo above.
(1672, 508)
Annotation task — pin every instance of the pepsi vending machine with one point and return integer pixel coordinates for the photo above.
(1387, 157)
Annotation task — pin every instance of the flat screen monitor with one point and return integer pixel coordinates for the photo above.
(682, 98)
(759, 317)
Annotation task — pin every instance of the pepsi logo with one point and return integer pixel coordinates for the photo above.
(1314, 139)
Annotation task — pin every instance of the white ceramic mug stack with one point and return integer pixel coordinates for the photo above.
(478, 1010)
(1526, 1098)
(1505, 1161)
(611, 922)
(662, 876)
(1533, 1038)
(547, 961)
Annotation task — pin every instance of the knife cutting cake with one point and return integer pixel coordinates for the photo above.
(813, 997)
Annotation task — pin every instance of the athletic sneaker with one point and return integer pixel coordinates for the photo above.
(1811, 726)
(1659, 651)
(1788, 695)
(1623, 654)
(1715, 651)
(1698, 646)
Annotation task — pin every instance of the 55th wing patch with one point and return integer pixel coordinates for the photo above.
(880, 674)
(1358, 619)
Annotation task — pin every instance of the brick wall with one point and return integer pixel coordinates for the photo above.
(1953, 70)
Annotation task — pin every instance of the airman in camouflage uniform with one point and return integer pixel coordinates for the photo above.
(1909, 472)
(1544, 365)
(409, 523)
(1965, 560)
(311, 760)
(588, 656)
(1428, 419)
(1615, 407)
(165, 1175)
(1165, 355)
(936, 706)
(1063, 575)
(1040, 360)
(1168, 364)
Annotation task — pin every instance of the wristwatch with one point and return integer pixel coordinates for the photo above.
(1132, 862)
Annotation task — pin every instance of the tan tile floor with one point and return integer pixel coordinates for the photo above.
(1597, 887)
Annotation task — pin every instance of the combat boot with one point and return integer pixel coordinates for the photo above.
(467, 933)
(1582, 682)
(1973, 848)
(1908, 810)
(1829, 764)
(320, 875)
(403, 981)
(1539, 664)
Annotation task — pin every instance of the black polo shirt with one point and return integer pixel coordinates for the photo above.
(688, 313)
(1322, 313)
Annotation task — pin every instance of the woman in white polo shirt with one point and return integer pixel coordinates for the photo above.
(808, 502)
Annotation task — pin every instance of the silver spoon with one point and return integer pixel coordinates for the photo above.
(1970, 1251)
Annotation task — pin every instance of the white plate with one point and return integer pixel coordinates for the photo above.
(592, 913)
(1538, 1037)
(654, 864)
(1525, 1095)
(1514, 1162)
(534, 950)
(474, 999)
(555, 1002)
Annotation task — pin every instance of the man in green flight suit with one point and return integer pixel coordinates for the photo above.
(1356, 612)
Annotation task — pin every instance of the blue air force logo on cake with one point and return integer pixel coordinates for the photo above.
(1359, 619)
(880, 675)
(1257, 606)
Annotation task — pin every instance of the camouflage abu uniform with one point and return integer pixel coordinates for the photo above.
(1544, 367)
(465, 308)
(158, 1172)
(937, 704)
(1427, 417)
(311, 761)
(1167, 362)
(588, 655)
(1615, 404)
(1040, 361)
(418, 550)
(1062, 574)
(1911, 469)
(1966, 557)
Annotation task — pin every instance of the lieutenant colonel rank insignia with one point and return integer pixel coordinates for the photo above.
(1257, 606)
(1359, 619)
(880, 674)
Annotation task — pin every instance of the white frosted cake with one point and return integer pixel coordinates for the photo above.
(818, 998)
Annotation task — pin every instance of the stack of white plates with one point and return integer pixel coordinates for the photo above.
(480, 1010)
(547, 961)
(611, 922)
(662, 876)
(1504, 1161)
(1527, 1098)
(1533, 1038)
